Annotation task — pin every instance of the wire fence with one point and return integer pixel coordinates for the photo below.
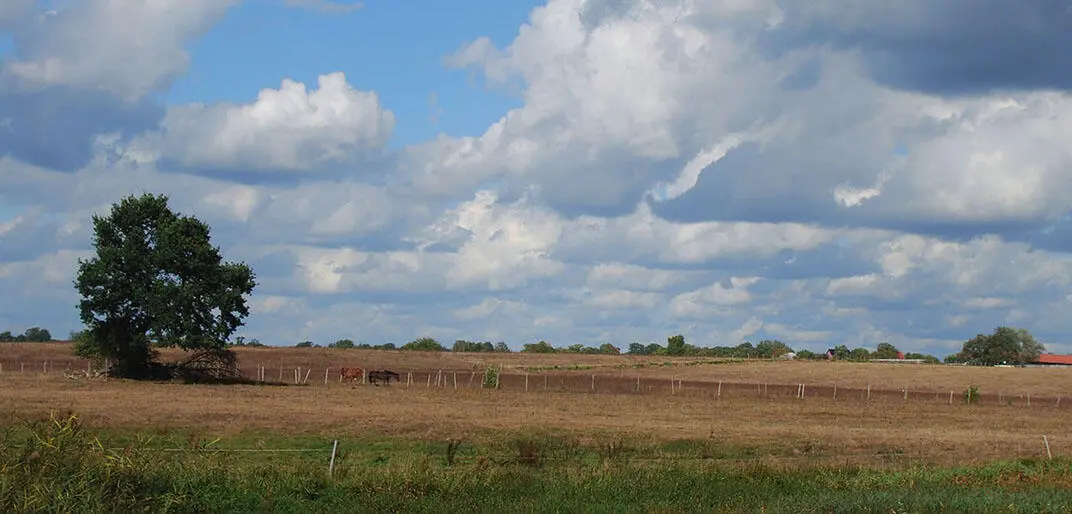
(561, 453)
(580, 381)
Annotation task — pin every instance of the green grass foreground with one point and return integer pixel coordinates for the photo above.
(59, 467)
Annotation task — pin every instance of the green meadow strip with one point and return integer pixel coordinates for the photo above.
(60, 467)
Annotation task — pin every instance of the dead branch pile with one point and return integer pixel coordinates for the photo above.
(99, 373)
(208, 365)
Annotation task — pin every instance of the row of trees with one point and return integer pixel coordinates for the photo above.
(1004, 346)
(31, 335)
(675, 346)
(545, 347)
(427, 344)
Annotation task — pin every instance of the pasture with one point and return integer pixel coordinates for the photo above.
(755, 425)
(279, 364)
(754, 406)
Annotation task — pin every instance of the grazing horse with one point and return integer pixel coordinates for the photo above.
(351, 374)
(383, 374)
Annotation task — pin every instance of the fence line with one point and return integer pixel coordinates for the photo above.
(553, 453)
(606, 383)
(597, 383)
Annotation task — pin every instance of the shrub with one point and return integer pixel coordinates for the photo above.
(971, 394)
(491, 377)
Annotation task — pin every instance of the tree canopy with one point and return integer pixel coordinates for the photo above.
(31, 335)
(539, 347)
(886, 351)
(345, 344)
(675, 345)
(1004, 346)
(424, 344)
(156, 281)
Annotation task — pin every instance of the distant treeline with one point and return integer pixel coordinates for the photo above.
(675, 346)
(31, 335)
(1004, 345)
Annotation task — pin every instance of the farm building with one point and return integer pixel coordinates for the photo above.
(1049, 359)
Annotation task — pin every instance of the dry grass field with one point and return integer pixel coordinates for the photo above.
(618, 372)
(757, 424)
(815, 429)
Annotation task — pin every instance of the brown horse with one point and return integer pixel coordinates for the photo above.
(384, 375)
(351, 374)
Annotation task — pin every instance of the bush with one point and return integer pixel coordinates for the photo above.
(491, 377)
(971, 394)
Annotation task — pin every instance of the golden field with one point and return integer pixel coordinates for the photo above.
(920, 380)
(769, 421)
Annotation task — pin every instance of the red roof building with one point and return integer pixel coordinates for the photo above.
(1060, 360)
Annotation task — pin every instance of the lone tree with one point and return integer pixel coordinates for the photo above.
(156, 281)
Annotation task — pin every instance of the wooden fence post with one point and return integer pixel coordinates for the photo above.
(331, 465)
(326, 375)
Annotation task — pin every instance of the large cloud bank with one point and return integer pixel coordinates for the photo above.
(828, 172)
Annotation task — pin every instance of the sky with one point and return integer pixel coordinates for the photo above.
(574, 171)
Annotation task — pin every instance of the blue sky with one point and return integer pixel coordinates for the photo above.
(396, 49)
(598, 171)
